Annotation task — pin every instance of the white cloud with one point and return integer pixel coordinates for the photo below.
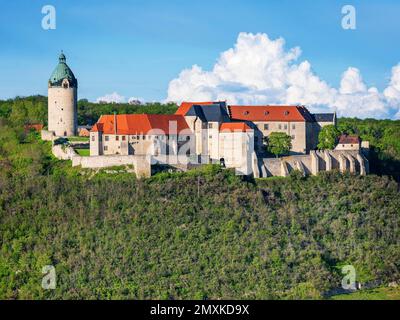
(258, 70)
(392, 92)
(111, 98)
(352, 82)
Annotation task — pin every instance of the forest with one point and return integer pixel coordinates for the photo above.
(204, 234)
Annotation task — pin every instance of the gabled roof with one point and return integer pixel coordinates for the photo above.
(324, 117)
(270, 113)
(349, 139)
(234, 127)
(209, 113)
(185, 106)
(136, 124)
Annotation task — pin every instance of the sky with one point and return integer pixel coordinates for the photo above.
(248, 52)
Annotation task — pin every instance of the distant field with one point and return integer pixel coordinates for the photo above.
(85, 139)
(372, 294)
(83, 152)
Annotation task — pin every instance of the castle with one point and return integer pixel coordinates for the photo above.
(198, 133)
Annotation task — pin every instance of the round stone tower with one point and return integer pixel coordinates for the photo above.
(62, 100)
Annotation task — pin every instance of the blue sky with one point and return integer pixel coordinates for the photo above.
(136, 48)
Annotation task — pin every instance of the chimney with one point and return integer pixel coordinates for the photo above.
(115, 123)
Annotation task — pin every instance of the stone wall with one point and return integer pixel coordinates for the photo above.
(317, 161)
(63, 152)
(47, 135)
(141, 164)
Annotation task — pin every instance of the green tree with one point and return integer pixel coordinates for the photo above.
(279, 143)
(328, 137)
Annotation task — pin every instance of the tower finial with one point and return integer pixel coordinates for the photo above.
(62, 57)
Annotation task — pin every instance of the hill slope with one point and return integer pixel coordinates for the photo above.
(206, 235)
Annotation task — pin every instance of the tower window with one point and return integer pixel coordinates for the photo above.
(93, 138)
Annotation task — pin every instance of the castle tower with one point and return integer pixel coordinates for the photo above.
(62, 100)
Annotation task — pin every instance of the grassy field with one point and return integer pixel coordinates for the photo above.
(83, 152)
(383, 293)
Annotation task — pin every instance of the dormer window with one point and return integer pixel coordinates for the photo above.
(65, 84)
(245, 113)
(266, 113)
(286, 113)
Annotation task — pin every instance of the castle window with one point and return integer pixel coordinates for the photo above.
(93, 138)
(116, 138)
(293, 137)
(105, 148)
(106, 138)
(293, 126)
(285, 126)
(266, 126)
(280, 127)
(210, 125)
(123, 138)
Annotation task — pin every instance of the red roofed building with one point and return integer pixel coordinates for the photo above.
(143, 134)
(296, 121)
(34, 126)
(348, 142)
(211, 131)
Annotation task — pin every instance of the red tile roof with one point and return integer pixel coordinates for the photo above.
(270, 113)
(185, 106)
(36, 126)
(349, 139)
(139, 124)
(234, 126)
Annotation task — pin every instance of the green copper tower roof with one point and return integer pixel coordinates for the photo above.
(61, 72)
